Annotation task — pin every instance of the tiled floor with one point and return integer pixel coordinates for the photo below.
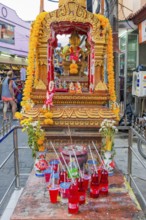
(11, 205)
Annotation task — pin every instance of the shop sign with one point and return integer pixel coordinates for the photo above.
(142, 32)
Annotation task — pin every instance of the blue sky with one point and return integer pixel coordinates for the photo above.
(28, 9)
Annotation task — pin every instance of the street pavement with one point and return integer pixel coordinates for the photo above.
(26, 161)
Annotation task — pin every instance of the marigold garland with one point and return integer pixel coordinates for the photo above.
(105, 24)
(33, 57)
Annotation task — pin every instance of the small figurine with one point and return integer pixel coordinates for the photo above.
(60, 84)
(71, 88)
(78, 88)
(64, 85)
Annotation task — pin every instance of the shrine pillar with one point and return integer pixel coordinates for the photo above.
(99, 63)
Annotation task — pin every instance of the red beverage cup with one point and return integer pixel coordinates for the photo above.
(47, 174)
(53, 194)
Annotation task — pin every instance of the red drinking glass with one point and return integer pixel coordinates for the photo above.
(53, 194)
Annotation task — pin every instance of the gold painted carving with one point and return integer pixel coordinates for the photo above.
(80, 2)
(74, 12)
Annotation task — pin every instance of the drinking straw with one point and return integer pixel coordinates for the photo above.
(77, 161)
(53, 181)
(101, 160)
(56, 153)
(92, 157)
(67, 166)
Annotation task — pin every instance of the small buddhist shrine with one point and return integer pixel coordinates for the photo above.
(78, 97)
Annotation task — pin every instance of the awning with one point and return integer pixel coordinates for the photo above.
(13, 52)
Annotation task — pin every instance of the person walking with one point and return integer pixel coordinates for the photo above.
(8, 95)
(23, 74)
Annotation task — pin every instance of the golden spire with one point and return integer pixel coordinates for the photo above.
(81, 2)
(41, 6)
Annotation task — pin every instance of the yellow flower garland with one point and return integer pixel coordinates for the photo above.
(32, 63)
(110, 64)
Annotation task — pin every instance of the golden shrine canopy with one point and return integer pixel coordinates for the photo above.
(81, 83)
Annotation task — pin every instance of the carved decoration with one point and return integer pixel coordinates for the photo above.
(72, 11)
(81, 2)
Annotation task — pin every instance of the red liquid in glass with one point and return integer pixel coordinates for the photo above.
(47, 177)
(73, 199)
(104, 182)
(62, 176)
(53, 194)
(81, 191)
(86, 181)
(94, 186)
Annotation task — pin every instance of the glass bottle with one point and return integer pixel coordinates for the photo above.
(81, 191)
(73, 199)
(62, 175)
(104, 182)
(73, 169)
(94, 185)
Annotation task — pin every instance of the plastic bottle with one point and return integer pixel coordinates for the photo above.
(73, 199)
(94, 186)
(81, 191)
(104, 182)
(73, 168)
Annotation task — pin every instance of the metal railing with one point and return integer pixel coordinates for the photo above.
(5, 131)
(131, 151)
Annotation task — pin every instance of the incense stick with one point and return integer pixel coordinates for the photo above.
(101, 160)
(67, 166)
(77, 161)
(92, 158)
(56, 153)
(97, 152)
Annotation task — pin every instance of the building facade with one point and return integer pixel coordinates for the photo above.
(132, 42)
(14, 39)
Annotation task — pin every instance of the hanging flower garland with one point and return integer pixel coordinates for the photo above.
(32, 58)
(110, 64)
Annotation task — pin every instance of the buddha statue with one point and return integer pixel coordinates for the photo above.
(78, 87)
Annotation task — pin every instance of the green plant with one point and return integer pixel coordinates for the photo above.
(36, 135)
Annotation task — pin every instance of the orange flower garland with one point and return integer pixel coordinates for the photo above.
(32, 63)
(110, 64)
(111, 81)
